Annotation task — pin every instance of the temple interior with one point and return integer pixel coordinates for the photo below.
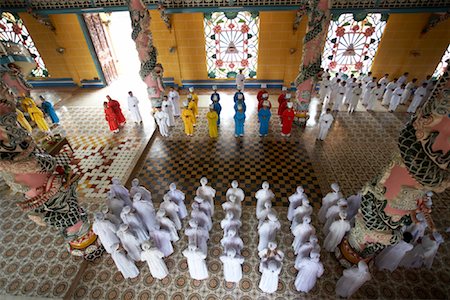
(60, 154)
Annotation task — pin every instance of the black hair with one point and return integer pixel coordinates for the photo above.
(407, 236)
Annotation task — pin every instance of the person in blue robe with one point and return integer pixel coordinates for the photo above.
(241, 103)
(218, 108)
(264, 115)
(239, 120)
(238, 96)
(48, 109)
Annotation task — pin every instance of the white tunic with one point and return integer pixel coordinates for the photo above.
(161, 238)
(269, 278)
(329, 200)
(325, 122)
(340, 93)
(331, 215)
(178, 197)
(238, 192)
(395, 99)
(336, 234)
(234, 207)
(202, 219)
(324, 88)
(232, 267)
(375, 94)
(115, 206)
(166, 107)
(106, 233)
(430, 248)
(348, 91)
(305, 251)
(145, 194)
(308, 272)
(172, 212)
(146, 212)
(175, 98)
(391, 256)
(407, 92)
(121, 192)
(227, 224)
(388, 94)
(162, 119)
(208, 193)
(267, 233)
(205, 206)
(302, 232)
(264, 213)
(196, 263)
(295, 200)
(356, 95)
(130, 243)
(125, 265)
(351, 280)
(135, 224)
(419, 95)
(366, 92)
(133, 107)
(299, 213)
(168, 225)
(262, 196)
(198, 237)
(234, 242)
(155, 263)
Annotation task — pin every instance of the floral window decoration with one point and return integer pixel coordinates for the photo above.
(442, 64)
(12, 29)
(352, 42)
(231, 43)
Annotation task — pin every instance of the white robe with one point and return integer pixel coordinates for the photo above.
(130, 243)
(269, 279)
(366, 92)
(133, 107)
(262, 196)
(146, 212)
(125, 265)
(351, 280)
(349, 91)
(162, 119)
(324, 89)
(135, 224)
(388, 94)
(325, 122)
(232, 267)
(305, 251)
(166, 107)
(375, 94)
(106, 233)
(419, 95)
(430, 248)
(267, 233)
(329, 200)
(208, 193)
(356, 95)
(302, 232)
(353, 204)
(238, 192)
(196, 264)
(401, 79)
(172, 212)
(308, 272)
(161, 238)
(299, 213)
(263, 215)
(234, 242)
(331, 216)
(240, 78)
(168, 225)
(295, 200)
(407, 92)
(340, 93)
(121, 193)
(175, 98)
(205, 206)
(227, 224)
(234, 207)
(156, 264)
(391, 256)
(395, 99)
(145, 194)
(202, 219)
(336, 234)
(178, 197)
(198, 237)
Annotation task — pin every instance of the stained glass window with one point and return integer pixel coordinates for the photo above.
(442, 64)
(231, 43)
(351, 45)
(13, 30)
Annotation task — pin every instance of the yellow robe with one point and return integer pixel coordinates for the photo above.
(212, 123)
(38, 117)
(22, 121)
(187, 116)
(28, 103)
(193, 107)
(195, 98)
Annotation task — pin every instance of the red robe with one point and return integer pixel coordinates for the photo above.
(281, 109)
(281, 100)
(288, 119)
(115, 105)
(110, 116)
(260, 93)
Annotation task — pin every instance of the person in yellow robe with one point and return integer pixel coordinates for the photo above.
(188, 118)
(212, 117)
(35, 114)
(195, 98)
(23, 121)
(193, 107)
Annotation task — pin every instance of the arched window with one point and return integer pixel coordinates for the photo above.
(13, 30)
(231, 43)
(442, 64)
(351, 45)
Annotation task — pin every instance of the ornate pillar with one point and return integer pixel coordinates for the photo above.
(318, 19)
(151, 72)
(50, 196)
(392, 199)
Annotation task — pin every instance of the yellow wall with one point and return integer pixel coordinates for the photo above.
(403, 35)
(77, 62)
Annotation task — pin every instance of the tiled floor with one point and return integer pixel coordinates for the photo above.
(34, 262)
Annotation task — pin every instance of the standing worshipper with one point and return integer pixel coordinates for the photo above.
(239, 120)
(232, 265)
(171, 209)
(340, 93)
(356, 95)
(333, 212)
(37, 116)
(230, 222)
(391, 86)
(123, 263)
(384, 81)
(375, 94)
(287, 119)
(134, 222)
(302, 232)
(309, 269)
(271, 269)
(206, 192)
(162, 119)
(368, 78)
(337, 231)
(263, 195)
(283, 106)
(325, 122)
(236, 191)
(195, 98)
(238, 96)
(232, 241)
(154, 258)
(106, 231)
(215, 98)
(168, 109)
(351, 84)
(282, 98)
(395, 99)
(367, 89)
(419, 95)
(264, 117)
(300, 212)
(213, 120)
(196, 262)
(306, 249)
(240, 79)
(136, 188)
(197, 235)
(115, 105)
(391, 256)
(193, 107)
(403, 78)
(23, 121)
(261, 93)
(133, 107)
(145, 211)
(174, 97)
(408, 91)
(178, 197)
(324, 88)
(162, 240)
(49, 110)
(215, 95)
(129, 242)
(167, 224)
(111, 118)
(335, 84)
(188, 119)
(119, 191)
(352, 279)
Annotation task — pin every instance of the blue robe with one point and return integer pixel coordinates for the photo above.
(47, 107)
(239, 119)
(264, 115)
(236, 96)
(218, 109)
(244, 107)
(215, 94)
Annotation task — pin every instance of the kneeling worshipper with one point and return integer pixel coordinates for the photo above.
(154, 258)
(125, 265)
(232, 265)
(309, 269)
(352, 279)
(196, 262)
(271, 269)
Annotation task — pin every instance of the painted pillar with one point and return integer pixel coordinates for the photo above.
(392, 199)
(151, 72)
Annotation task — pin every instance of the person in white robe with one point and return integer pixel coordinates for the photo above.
(123, 263)
(333, 213)
(269, 280)
(263, 195)
(106, 231)
(325, 86)
(129, 242)
(236, 191)
(232, 265)
(300, 212)
(302, 232)
(295, 200)
(355, 96)
(178, 197)
(335, 84)
(309, 269)
(384, 81)
(232, 240)
(174, 97)
(268, 209)
(145, 211)
(349, 86)
(133, 107)
(417, 228)
(340, 93)
(167, 107)
(162, 239)
(337, 232)
(396, 96)
(162, 119)
(230, 222)
(391, 256)
(196, 262)
(233, 205)
(240, 79)
(115, 204)
(352, 279)
(111, 217)
(206, 192)
(329, 200)
(375, 95)
(402, 79)
(325, 122)
(136, 188)
(201, 217)
(367, 89)
(135, 224)
(368, 78)
(154, 258)
(204, 205)
(353, 205)
(430, 245)
(306, 249)
(171, 209)
(167, 224)
(271, 252)
(419, 96)
(120, 192)
(197, 236)
(268, 231)
(390, 88)
(407, 92)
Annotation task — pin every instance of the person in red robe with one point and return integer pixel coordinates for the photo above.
(281, 99)
(261, 92)
(283, 106)
(287, 120)
(115, 105)
(111, 117)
